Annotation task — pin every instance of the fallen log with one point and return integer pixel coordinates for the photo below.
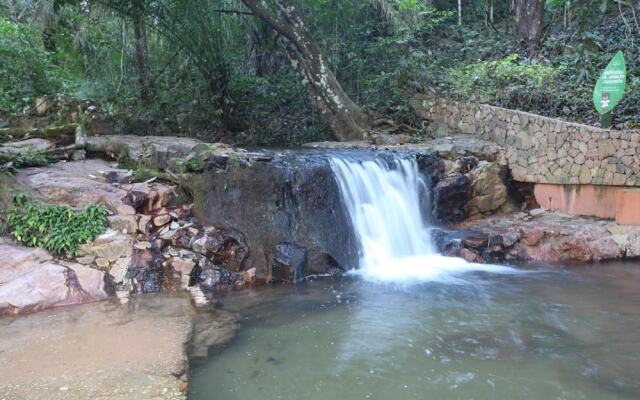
(50, 132)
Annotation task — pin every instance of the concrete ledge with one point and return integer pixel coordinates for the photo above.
(628, 207)
(610, 202)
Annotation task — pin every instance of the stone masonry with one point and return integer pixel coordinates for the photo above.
(540, 149)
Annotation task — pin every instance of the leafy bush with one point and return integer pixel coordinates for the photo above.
(490, 78)
(25, 68)
(59, 229)
(27, 159)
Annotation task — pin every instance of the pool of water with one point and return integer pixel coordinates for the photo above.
(545, 334)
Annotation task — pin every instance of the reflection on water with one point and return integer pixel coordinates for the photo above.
(571, 334)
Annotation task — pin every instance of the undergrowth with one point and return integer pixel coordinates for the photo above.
(59, 229)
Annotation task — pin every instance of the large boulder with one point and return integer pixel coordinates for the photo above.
(30, 280)
(286, 198)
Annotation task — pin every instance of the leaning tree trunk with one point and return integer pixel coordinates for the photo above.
(529, 18)
(142, 58)
(346, 118)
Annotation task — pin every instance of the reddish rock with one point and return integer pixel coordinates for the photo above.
(31, 281)
(476, 242)
(532, 236)
(471, 256)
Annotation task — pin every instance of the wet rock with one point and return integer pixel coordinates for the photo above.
(477, 242)
(471, 256)
(225, 246)
(289, 262)
(213, 277)
(290, 199)
(30, 280)
(146, 271)
(450, 197)
(431, 166)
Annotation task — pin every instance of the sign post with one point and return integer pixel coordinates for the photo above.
(610, 88)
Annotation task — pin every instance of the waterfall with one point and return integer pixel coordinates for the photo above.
(383, 200)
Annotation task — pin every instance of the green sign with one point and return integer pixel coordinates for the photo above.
(610, 87)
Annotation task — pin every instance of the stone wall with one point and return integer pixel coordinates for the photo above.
(540, 149)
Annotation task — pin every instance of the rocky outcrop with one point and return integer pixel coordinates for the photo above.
(285, 198)
(541, 238)
(31, 280)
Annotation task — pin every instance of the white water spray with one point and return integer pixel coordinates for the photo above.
(383, 202)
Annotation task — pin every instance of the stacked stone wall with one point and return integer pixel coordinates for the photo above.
(540, 149)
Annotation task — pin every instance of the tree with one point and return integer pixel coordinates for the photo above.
(344, 116)
(529, 18)
(139, 31)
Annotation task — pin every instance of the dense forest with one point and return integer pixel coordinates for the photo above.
(283, 72)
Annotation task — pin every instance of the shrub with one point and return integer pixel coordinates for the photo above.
(59, 229)
(493, 78)
(25, 68)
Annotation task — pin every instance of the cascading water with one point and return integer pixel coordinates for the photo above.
(383, 201)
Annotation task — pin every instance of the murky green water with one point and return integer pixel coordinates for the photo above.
(559, 334)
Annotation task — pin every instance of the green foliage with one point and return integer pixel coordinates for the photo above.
(489, 79)
(26, 70)
(23, 160)
(59, 229)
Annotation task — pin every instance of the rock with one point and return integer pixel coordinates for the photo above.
(477, 242)
(142, 148)
(111, 246)
(225, 246)
(123, 223)
(147, 271)
(24, 146)
(532, 236)
(86, 260)
(606, 249)
(633, 247)
(161, 220)
(102, 262)
(292, 198)
(289, 262)
(212, 277)
(471, 256)
(143, 223)
(537, 211)
(149, 198)
(182, 265)
(450, 197)
(119, 270)
(487, 191)
(31, 281)
(142, 245)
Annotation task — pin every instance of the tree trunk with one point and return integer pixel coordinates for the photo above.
(346, 119)
(142, 58)
(529, 18)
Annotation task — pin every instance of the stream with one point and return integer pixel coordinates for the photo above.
(412, 324)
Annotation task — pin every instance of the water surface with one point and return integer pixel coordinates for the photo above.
(547, 334)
